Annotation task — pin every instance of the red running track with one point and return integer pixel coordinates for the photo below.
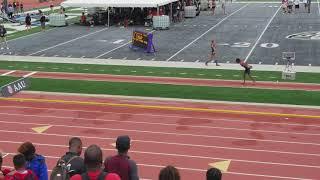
(278, 143)
(168, 80)
(31, 4)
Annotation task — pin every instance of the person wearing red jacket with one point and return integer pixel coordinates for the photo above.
(20, 172)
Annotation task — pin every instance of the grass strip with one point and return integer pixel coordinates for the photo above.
(156, 71)
(297, 97)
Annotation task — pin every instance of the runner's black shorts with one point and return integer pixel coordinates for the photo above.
(247, 71)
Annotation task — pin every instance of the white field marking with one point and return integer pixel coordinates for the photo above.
(69, 56)
(265, 29)
(216, 25)
(86, 69)
(150, 72)
(181, 60)
(124, 58)
(272, 77)
(164, 116)
(134, 71)
(167, 133)
(101, 70)
(183, 73)
(170, 154)
(30, 74)
(42, 55)
(218, 75)
(4, 155)
(166, 73)
(55, 68)
(236, 75)
(148, 123)
(26, 67)
(118, 41)
(197, 61)
(138, 59)
(10, 66)
(7, 73)
(60, 44)
(201, 74)
(117, 48)
(29, 35)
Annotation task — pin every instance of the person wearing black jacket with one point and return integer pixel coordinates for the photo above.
(77, 164)
(3, 33)
(43, 22)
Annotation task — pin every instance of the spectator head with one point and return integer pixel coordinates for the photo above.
(238, 60)
(214, 174)
(169, 173)
(75, 145)
(93, 157)
(19, 161)
(123, 144)
(82, 13)
(28, 150)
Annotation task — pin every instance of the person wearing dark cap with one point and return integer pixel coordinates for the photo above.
(214, 174)
(121, 163)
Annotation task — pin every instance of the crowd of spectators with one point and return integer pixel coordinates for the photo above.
(28, 165)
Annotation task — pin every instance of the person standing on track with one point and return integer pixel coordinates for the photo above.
(213, 53)
(3, 33)
(247, 70)
(223, 6)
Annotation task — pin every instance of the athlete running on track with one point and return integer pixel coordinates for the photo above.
(247, 70)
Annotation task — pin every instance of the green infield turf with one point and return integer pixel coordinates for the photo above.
(156, 71)
(176, 91)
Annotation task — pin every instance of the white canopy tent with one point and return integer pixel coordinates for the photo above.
(118, 4)
(115, 3)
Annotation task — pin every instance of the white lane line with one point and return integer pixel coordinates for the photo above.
(216, 25)
(245, 121)
(113, 50)
(118, 41)
(170, 154)
(169, 124)
(265, 29)
(60, 44)
(7, 73)
(30, 74)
